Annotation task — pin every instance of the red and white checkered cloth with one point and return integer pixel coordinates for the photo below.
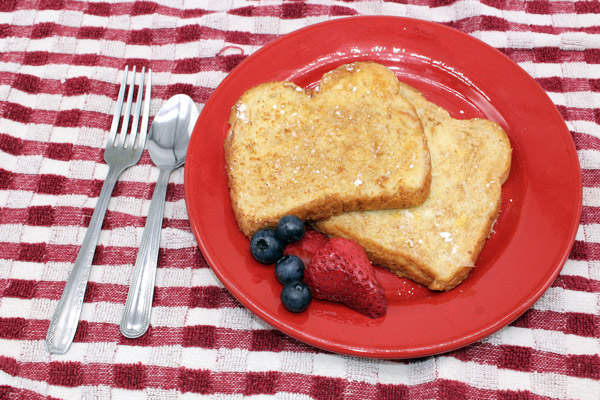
(60, 63)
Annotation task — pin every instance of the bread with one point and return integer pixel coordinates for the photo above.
(353, 143)
(438, 242)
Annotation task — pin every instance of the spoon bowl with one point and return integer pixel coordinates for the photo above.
(171, 130)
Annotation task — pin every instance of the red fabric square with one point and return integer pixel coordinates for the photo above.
(199, 261)
(99, 254)
(261, 383)
(515, 357)
(584, 366)
(91, 32)
(101, 9)
(33, 252)
(42, 30)
(339, 10)
(239, 37)
(4, 30)
(537, 7)
(195, 13)
(266, 340)
(493, 23)
(65, 373)
(183, 88)
(20, 288)
(452, 390)
(5, 178)
(324, 388)
(68, 118)
(60, 151)
(12, 328)
(76, 86)
(243, 11)
(81, 332)
(51, 4)
(391, 392)
(595, 84)
(205, 296)
(27, 83)
(547, 54)
(139, 63)
(129, 376)
(11, 145)
(587, 7)
(95, 189)
(579, 251)
(144, 8)
(188, 65)
(85, 59)
(189, 33)
(17, 112)
(293, 10)
(195, 381)
(199, 336)
(9, 365)
(143, 36)
(36, 58)
(572, 282)
(553, 84)
(144, 340)
(40, 215)
(7, 5)
(51, 184)
(231, 61)
(5, 392)
(90, 292)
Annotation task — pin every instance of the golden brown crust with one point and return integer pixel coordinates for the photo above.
(438, 242)
(396, 190)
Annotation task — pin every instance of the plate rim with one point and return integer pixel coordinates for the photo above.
(326, 344)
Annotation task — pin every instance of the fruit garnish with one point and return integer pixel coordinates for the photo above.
(289, 269)
(296, 296)
(340, 271)
(290, 229)
(306, 248)
(266, 246)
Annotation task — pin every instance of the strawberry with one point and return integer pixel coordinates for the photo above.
(340, 271)
(306, 248)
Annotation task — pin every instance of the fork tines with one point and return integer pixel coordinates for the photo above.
(121, 140)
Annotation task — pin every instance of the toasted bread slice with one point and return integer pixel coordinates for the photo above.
(438, 242)
(353, 143)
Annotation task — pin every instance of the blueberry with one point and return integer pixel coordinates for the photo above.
(289, 269)
(266, 246)
(290, 228)
(296, 296)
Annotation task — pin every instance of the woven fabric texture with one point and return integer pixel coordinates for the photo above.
(60, 68)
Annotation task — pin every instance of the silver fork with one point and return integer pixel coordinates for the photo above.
(121, 152)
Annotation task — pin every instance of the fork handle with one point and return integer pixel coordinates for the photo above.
(136, 316)
(63, 323)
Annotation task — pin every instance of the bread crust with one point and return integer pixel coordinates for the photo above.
(399, 195)
(427, 258)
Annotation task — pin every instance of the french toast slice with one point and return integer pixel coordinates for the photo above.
(352, 143)
(438, 242)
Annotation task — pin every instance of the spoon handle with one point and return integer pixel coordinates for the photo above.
(136, 316)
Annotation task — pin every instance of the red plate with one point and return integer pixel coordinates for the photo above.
(541, 199)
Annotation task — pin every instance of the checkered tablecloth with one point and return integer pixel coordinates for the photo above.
(60, 64)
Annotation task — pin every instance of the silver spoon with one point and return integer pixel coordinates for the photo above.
(169, 137)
